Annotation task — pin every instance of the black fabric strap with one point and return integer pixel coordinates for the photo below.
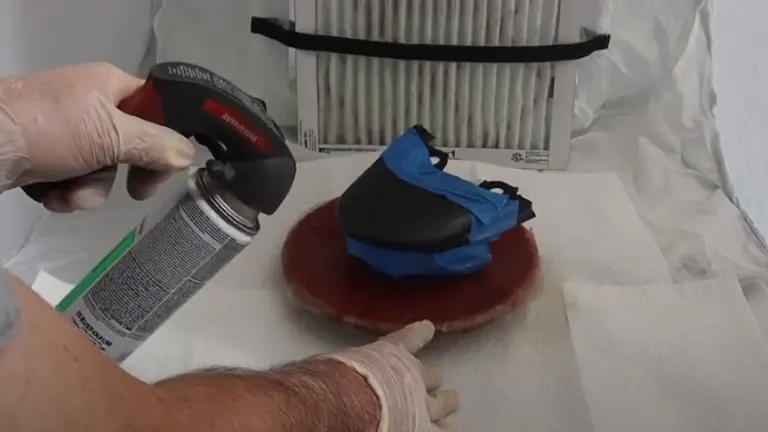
(277, 30)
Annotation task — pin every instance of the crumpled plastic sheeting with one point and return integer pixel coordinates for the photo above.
(663, 143)
(648, 38)
(665, 146)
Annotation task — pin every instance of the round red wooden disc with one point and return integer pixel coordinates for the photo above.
(328, 280)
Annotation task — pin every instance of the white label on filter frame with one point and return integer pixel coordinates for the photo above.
(531, 157)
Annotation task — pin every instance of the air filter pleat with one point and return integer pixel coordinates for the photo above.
(371, 101)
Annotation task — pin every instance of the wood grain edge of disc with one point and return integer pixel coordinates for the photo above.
(305, 301)
(531, 288)
(300, 297)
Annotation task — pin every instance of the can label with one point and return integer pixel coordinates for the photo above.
(151, 273)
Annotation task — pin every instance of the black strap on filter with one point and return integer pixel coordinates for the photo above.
(278, 30)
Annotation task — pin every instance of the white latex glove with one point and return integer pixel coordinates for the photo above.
(64, 124)
(409, 392)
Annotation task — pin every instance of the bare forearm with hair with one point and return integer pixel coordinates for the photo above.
(314, 395)
(53, 379)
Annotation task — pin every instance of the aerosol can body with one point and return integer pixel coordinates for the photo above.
(159, 266)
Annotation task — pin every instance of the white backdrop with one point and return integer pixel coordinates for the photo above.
(39, 34)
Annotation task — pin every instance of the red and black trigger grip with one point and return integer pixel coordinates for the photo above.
(145, 103)
(234, 126)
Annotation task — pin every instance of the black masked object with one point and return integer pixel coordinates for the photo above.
(405, 216)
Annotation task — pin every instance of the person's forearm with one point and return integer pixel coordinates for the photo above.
(52, 378)
(315, 395)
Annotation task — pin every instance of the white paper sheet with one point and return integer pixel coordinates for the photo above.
(666, 357)
(520, 370)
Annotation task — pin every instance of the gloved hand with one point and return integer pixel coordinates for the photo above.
(64, 124)
(409, 392)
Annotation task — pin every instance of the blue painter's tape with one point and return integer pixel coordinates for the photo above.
(493, 214)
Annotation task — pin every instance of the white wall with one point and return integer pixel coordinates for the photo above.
(741, 82)
(39, 34)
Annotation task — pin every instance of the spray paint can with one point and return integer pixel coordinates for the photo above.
(159, 266)
(172, 253)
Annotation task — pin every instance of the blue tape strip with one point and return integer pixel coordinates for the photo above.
(408, 158)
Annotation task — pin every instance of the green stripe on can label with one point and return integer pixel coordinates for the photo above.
(90, 279)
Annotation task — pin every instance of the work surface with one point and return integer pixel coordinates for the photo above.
(612, 315)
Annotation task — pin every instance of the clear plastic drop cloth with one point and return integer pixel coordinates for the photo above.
(648, 40)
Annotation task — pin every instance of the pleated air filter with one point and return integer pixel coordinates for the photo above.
(494, 80)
